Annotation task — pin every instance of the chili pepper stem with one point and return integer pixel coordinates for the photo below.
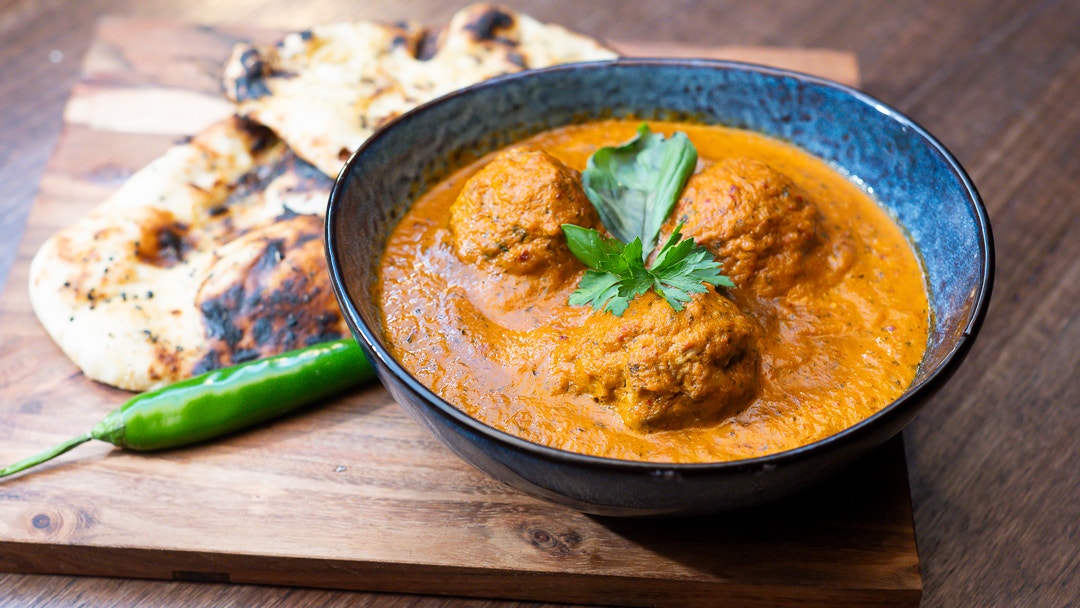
(48, 454)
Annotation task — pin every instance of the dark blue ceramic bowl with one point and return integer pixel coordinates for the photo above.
(912, 175)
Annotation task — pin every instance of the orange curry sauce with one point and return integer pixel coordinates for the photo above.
(830, 351)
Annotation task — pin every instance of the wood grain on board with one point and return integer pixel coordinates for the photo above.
(352, 494)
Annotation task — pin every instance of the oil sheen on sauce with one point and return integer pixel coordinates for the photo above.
(831, 354)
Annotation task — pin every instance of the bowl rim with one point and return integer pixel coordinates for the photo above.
(844, 438)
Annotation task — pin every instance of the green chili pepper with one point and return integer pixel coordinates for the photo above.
(223, 400)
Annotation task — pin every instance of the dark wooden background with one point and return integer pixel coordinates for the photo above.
(993, 462)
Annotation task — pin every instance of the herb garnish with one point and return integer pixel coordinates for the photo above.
(634, 187)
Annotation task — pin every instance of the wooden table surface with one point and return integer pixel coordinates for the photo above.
(993, 461)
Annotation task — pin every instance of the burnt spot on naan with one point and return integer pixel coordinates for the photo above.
(223, 166)
(308, 178)
(428, 44)
(249, 70)
(168, 361)
(269, 294)
(487, 22)
(165, 242)
(408, 35)
(286, 182)
(259, 137)
(302, 177)
(246, 78)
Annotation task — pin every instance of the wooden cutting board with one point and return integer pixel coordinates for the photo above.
(352, 494)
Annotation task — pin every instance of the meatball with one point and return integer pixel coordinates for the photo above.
(663, 369)
(512, 211)
(761, 226)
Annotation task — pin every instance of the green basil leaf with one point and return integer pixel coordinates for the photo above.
(635, 186)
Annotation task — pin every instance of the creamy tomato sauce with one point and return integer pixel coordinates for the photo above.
(834, 327)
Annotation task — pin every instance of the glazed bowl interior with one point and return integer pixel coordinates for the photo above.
(911, 175)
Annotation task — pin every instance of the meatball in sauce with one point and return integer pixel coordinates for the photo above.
(662, 369)
(762, 227)
(510, 214)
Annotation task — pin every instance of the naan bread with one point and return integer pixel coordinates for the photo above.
(211, 255)
(325, 90)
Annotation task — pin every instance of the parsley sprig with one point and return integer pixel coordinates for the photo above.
(634, 188)
(617, 273)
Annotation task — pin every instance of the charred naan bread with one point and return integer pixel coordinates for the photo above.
(325, 90)
(211, 255)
